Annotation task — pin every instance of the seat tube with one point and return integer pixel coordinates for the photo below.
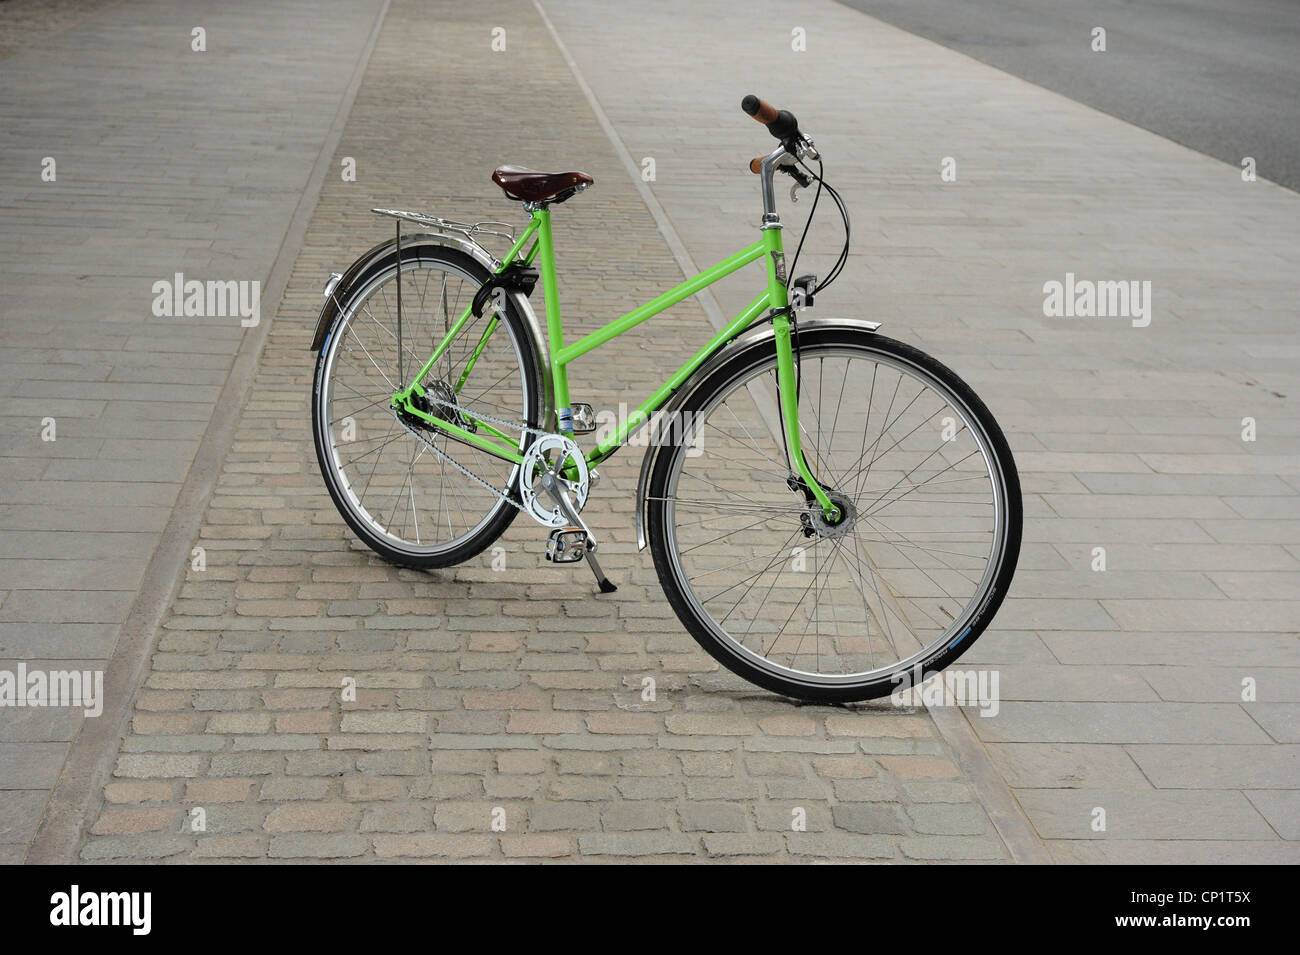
(554, 327)
(786, 378)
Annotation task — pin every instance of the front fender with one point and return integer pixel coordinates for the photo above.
(756, 336)
(335, 289)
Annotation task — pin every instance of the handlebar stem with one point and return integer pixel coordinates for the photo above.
(773, 161)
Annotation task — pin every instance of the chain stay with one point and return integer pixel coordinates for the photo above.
(443, 455)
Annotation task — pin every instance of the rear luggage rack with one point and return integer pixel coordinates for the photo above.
(468, 229)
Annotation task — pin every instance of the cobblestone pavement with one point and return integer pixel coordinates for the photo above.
(478, 691)
(1122, 689)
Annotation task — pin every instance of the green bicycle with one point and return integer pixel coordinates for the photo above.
(830, 512)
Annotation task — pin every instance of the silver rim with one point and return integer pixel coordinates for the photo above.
(407, 496)
(849, 605)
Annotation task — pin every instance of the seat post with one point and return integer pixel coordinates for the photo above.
(554, 326)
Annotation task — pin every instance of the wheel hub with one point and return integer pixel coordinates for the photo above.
(816, 523)
(442, 403)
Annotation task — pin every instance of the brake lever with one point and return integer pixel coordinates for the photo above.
(801, 180)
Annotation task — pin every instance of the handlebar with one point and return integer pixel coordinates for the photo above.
(782, 124)
(779, 122)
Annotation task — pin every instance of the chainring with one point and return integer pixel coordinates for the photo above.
(553, 452)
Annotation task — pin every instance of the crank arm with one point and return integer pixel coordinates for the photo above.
(561, 497)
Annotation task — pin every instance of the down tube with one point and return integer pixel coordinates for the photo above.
(656, 401)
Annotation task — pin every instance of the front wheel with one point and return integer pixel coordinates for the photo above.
(908, 578)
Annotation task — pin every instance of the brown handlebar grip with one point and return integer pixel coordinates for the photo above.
(756, 164)
(761, 110)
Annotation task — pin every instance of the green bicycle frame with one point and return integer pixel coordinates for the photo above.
(774, 299)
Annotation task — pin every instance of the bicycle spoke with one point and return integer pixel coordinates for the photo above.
(854, 600)
(412, 498)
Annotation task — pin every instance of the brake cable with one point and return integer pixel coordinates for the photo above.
(843, 257)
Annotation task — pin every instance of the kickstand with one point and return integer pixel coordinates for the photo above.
(556, 489)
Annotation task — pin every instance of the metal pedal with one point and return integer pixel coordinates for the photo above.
(566, 545)
(561, 497)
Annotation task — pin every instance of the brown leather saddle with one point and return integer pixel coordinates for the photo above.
(530, 185)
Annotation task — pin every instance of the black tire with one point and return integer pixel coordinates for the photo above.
(501, 514)
(733, 368)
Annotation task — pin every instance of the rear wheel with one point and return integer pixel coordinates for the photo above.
(822, 611)
(405, 501)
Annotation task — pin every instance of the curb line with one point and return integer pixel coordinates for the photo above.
(1013, 826)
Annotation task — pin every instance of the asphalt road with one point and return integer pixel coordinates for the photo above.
(1220, 77)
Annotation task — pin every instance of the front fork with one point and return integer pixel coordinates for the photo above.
(786, 376)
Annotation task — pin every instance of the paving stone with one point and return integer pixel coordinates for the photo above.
(635, 844)
(230, 847)
(951, 848)
(410, 818)
(839, 846)
(20, 811)
(1066, 765)
(155, 766)
(869, 819)
(1069, 814)
(1280, 807)
(314, 846)
(292, 788)
(556, 816)
(140, 792)
(948, 820)
(431, 845)
(536, 846)
(635, 815)
(720, 844)
(151, 846)
(713, 817)
(310, 817)
(1205, 723)
(1218, 767)
(1173, 852)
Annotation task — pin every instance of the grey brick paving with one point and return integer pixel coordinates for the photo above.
(482, 697)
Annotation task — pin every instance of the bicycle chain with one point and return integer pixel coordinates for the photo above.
(419, 436)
